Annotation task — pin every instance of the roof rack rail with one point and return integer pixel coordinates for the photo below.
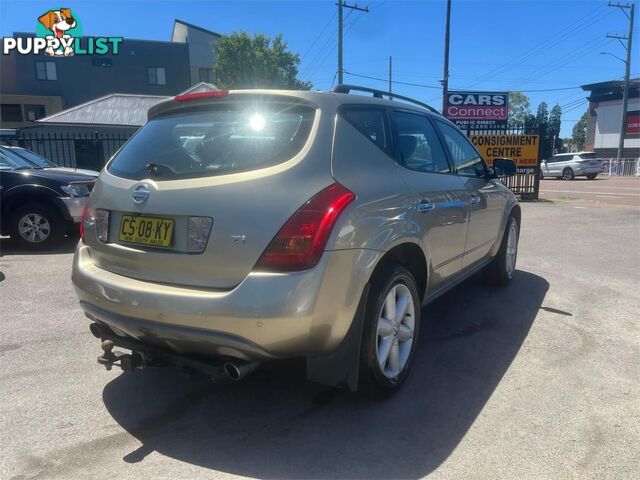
(342, 88)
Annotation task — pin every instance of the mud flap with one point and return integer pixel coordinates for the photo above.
(340, 368)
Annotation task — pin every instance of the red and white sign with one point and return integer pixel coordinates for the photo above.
(477, 108)
(633, 123)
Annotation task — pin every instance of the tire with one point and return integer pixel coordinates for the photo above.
(401, 339)
(567, 174)
(502, 268)
(36, 226)
(591, 176)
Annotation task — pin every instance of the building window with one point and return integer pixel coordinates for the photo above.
(46, 71)
(101, 62)
(156, 76)
(11, 112)
(206, 75)
(33, 112)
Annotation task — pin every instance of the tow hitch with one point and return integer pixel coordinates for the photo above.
(126, 361)
(143, 355)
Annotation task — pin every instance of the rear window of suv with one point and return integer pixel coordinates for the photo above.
(588, 156)
(227, 138)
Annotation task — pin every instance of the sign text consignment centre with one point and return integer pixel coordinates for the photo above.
(523, 149)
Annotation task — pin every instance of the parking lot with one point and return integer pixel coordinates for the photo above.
(538, 380)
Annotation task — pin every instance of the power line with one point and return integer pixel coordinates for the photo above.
(348, 27)
(433, 86)
(311, 68)
(584, 103)
(395, 81)
(319, 35)
(548, 89)
(342, 5)
(532, 52)
(549, 43)
(568, 58)
(319, 60)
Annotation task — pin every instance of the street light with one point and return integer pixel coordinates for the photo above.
(614, 56)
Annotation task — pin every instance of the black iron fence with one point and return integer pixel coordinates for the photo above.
(72, 149)
(93, 149)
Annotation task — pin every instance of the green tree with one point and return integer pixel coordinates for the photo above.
(553, 132)
(245, 61)
(519, 109)
(530, 123)
(542, 125)
(579, 133)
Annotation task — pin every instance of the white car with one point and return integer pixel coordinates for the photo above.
(568, 166)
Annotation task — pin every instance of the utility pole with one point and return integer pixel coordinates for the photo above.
(390, 80)
(343, 4)
(445, 76)
(627, 71)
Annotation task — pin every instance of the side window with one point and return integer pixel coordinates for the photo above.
(465, 157)
(371, 122)
(418, 144)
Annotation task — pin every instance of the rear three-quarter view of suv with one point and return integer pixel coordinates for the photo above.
(238, 227)
(568, 166)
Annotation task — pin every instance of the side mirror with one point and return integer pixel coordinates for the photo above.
(504, 167)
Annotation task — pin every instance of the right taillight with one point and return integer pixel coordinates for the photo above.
(301, 241)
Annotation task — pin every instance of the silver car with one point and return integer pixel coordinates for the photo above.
(240, 227)
(568, 166)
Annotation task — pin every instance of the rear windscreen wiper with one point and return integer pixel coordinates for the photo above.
(159, 169)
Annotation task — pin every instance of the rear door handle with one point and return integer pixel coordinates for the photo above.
(474, 200)
(425, 207)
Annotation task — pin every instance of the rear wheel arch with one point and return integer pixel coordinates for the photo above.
(411, 256)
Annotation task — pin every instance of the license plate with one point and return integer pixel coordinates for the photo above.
(154, 231)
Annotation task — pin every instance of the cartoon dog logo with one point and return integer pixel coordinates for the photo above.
(58, 22)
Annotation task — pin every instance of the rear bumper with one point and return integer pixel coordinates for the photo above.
(266, 316)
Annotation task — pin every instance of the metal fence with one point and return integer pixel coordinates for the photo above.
(77, 149)
(92, 150)
(621, 167)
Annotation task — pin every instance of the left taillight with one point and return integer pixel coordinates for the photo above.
(82, 221)
(300, 242)
(97, 219)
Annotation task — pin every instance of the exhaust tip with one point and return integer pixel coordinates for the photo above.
(95, 330)
(232, 371)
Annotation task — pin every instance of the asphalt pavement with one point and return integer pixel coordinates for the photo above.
(604, 190)
(536, 380)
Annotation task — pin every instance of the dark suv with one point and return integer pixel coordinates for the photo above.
(39, 206)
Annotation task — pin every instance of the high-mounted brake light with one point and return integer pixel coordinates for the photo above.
(194, 96)
(300, 242)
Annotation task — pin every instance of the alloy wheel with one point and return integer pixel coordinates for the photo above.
(34, 228)
(396, 324)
